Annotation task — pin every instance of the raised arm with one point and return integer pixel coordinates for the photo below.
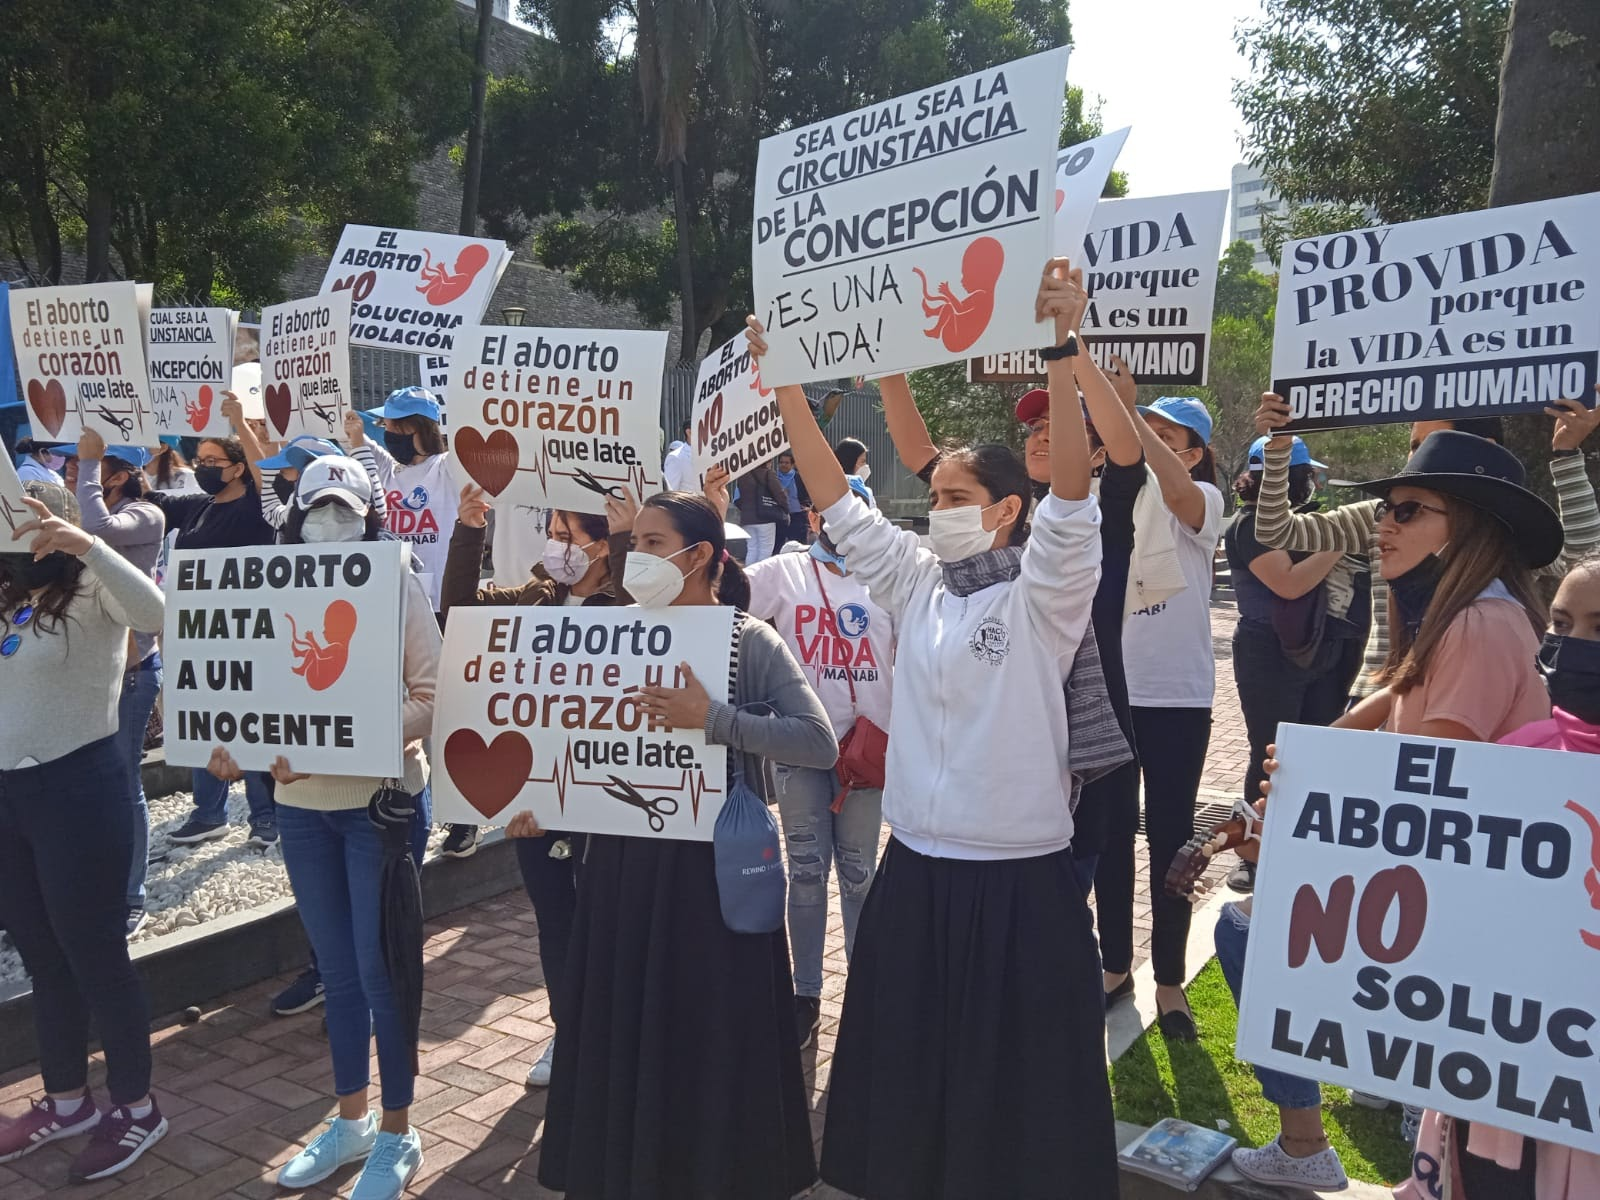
(1580, 517)
(254, 451)
(1112, 421)
(127, 595)
(1348, 529)
(1182, 495)
(907, 430)
(1062, 298)
(135, 525)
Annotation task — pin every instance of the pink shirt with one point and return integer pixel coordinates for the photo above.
(1482, 676)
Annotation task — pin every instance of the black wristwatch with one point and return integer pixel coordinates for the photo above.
(1067, 349)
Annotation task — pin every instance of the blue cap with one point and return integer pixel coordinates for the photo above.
(1299, 455)
(134, 456)
(407, 402)
(298, 452)
(1182, 410)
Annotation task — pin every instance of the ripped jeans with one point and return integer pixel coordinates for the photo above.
(815, 837)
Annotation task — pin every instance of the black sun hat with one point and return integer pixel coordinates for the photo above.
(1486, 476)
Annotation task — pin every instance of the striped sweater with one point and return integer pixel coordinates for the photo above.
(1354, 530)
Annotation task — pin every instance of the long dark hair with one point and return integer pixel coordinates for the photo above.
(167, 461)
(295, 522)
(696, 521)
(1302, 483)
(850, 452)
(1204, 471)
(50, 609)
(1001, 473)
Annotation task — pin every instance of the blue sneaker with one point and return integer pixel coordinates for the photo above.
(394, 1160)
(303, 994)
(340, 1143)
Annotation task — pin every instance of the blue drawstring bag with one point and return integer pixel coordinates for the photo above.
(751, 881)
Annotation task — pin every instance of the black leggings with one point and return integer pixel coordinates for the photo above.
(1172, 757)
(1273, 689)
(551, 886)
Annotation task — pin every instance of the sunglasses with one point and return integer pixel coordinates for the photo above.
(1405, 510)
(1037, 425)
(12, 642)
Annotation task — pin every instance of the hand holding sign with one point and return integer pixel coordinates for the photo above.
(1272, 416)
(52, 532)
(91, 446)
(1574, 423)
(1061, 296)
(473, 508)
(524, 825)
(681, 708)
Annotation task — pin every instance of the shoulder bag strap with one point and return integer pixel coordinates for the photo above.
(848, 673)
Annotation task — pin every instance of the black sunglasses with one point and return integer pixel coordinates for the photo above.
(1405, 510)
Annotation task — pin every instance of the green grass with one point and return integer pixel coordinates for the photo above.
(1203, 1083)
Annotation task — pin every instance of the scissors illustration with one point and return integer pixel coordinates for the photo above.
(594, 485)
(324, 414)
(658, 809)
(123, 423)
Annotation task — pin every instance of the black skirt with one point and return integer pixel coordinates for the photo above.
(971, 1052)
(677, 1072)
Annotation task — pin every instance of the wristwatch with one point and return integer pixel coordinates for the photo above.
(1067, 349)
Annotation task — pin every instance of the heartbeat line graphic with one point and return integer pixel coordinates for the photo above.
(563, 776)
(11, 515)
(544, 469)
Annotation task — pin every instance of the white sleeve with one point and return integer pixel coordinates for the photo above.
(272, 510)
(383, 460)
(891, 562)
(1061, 570)
(766, 588)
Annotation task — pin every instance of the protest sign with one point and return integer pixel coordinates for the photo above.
(13, 511)
(8, 357)
(286, 650)
(1150, 268)
(1472, 315)
(735, 423)
(305, 366)
(410, 290)
(558, 418)
(910, 233)
(81, 354)
(538, 709)
(1425, 927)
(190, 356)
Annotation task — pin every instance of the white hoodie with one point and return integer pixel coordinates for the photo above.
(977, 765)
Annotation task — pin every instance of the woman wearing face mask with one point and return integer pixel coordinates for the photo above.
(275, 475)
(852, 457)
(579, 559)
(970, 1059)
(1171, 671)
(66, 828)
(225, 515)
(111, 499)
(39, 464)
(677, 1074)
(334, 856)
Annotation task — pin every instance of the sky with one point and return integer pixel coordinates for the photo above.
(1167, 68)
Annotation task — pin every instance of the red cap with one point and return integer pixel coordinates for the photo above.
(1033, 405)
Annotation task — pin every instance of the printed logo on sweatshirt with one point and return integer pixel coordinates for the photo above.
(410, 517)
(835, 642)
(991, 641)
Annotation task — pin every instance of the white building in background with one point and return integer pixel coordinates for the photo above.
(1252, 196)
(502, 8)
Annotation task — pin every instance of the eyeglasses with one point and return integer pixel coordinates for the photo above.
(1037, 425)
(1405, 510)
(12, 642)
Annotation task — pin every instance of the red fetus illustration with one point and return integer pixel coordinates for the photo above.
(198, 411)
(1591, 879)
(441, 285)
(321, 665)
(961, 322)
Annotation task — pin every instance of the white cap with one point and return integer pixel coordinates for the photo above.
(334, 477)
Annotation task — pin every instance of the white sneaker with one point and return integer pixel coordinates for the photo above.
(340, 1143)
(1321, 1172)
(395, 1159)
(539, 1073)
(1369, 1100)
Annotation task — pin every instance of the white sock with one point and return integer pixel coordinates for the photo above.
(69, 1108)
(140, 1111)
(359, 1125)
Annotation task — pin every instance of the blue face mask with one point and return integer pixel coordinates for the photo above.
(821, 554)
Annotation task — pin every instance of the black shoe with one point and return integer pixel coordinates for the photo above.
(1121, 992)
(303, 994)
(461, 841)
(262, 837)
(192, 833)
(1178, 1026)
(807, 1016)
(1242, 878)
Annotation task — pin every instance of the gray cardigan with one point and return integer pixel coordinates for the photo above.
(799, 736)
(134, 529)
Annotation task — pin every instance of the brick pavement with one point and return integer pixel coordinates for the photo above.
(244, 1090)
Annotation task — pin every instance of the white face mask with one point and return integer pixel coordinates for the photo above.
(333, 523)
(565, 562)
(864, 472)
(652, 581)
(958, 533)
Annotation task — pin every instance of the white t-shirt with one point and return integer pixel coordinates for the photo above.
(423, 498)
(518, 542)
(850, 633)
(677, 469)
(1166, 648)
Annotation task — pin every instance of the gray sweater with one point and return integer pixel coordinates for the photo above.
(134, 529)
(62, 685)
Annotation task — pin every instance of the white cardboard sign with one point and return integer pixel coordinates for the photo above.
(558, 418)
(1150, 268)
(305, 366)
(13, 511)
(538, 709)
(80, 352)
(735, 422)
(1471, 315)
(1425, 928)
(910, 233)
(1081, 174)
(190, 357)
(286, 650)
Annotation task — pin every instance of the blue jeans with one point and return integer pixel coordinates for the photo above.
(1232, 936)
(335, 865)
(211, 798)
(140, 687)
(813, 838)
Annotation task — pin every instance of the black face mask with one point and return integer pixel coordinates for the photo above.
(1413, 591)
(400, 447)
(20, 573)
(1571, 670)
(210, 479)
(283, 489)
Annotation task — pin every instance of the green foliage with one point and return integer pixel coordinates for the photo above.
(210, 141)
(1389, 103)
(1243, 291)
(957, 412)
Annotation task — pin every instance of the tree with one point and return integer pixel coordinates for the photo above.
(1388, 103)
(472, 174)
(200, 146)
(1243, 291)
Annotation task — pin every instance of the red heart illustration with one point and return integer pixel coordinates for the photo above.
(49, 404)
(491, 461)
(1060, 196)
(200, 413)
(278, 404)
(489, 777)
